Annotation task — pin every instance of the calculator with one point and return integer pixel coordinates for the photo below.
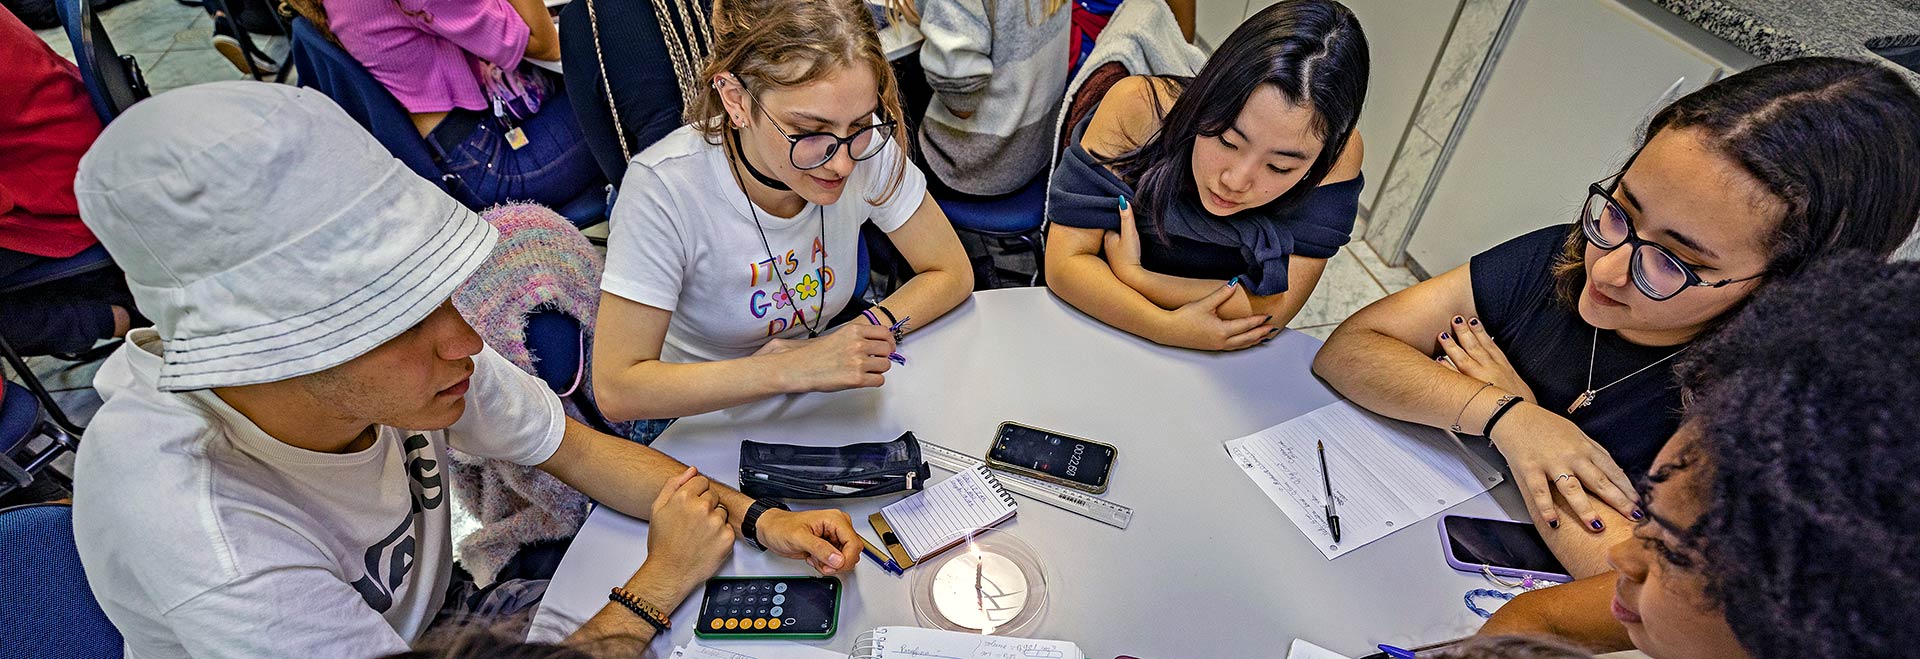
(770, 607)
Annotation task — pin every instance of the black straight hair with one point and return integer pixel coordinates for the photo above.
(1835, 141)
(1313, 51)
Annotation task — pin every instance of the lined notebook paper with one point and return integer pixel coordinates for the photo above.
(1387, 474)
(946, 512)
(922, 643)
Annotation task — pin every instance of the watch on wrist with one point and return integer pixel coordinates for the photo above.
(749, 525)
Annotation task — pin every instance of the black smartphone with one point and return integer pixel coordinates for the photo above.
(1081, 464)
(769, 607)
(1506, 548)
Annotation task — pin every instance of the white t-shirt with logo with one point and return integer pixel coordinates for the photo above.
(203, 536)
(683, 239)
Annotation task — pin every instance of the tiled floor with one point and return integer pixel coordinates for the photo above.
(172, 42)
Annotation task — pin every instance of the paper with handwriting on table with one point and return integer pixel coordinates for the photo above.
(1387, 474)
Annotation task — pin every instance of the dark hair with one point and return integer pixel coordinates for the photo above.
(1836, 141)
(1312, 50)
(1511, 647)
(1804, 409)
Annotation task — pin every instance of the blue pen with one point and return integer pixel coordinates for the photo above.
(1396, 653)
(886, 563)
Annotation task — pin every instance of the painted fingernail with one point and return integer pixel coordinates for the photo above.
(1123, 202)
(1445, 337)
(1595, 525)
(1269, 320)
(1474, 322)
(1637, 515)
(1553, 523)
(1457, 320)
(1235, 281)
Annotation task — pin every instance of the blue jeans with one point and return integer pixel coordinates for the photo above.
(553, 168)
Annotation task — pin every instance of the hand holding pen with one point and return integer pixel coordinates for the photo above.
(897, 329)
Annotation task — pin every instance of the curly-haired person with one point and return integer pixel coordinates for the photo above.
(1781, 517)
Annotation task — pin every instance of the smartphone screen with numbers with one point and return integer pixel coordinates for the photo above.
(1081, 464)
(769, 607)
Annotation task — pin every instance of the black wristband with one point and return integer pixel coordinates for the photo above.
(891, 320)
(749, 525)
(1505, 403)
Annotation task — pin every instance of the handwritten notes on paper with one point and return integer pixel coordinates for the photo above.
(921, 643)
(1386, 474)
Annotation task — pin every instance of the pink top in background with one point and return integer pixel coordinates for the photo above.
(422, 50)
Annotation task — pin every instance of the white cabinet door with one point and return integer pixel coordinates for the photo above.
(1213, 20)
(1403, 40)
(1562, 109)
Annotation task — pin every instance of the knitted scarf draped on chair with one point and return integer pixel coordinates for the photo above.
(541, 262)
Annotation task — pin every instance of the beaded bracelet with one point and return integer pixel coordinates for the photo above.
(646, 611)
(1484, 592)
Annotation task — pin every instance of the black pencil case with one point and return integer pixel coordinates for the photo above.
(785, 471)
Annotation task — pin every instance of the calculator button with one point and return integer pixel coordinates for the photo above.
(779, 599)
(759, 623)
(792, 621)
(773, 624)
(780, 587)
(776, 611)
(716, 624)
(733, 623)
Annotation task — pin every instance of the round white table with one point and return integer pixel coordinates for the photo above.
(1209, 566)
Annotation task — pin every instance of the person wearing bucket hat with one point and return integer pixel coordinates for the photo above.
(266, 476)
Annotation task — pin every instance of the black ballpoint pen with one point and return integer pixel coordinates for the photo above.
(1333, 519)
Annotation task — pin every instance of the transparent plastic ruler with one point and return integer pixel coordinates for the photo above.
(1073, 501)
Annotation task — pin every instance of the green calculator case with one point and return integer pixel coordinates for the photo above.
(769, 607)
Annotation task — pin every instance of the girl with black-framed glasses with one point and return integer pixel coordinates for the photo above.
(1559, 344)
(735, 244)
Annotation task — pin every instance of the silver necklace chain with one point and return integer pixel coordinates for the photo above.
(1586, 397)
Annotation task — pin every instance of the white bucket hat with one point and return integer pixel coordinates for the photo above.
(266, 234)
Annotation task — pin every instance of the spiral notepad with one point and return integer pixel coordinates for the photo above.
(920, 643)
(942, 515)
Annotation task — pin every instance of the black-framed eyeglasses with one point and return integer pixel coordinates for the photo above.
(812, 150)
(1655, 270)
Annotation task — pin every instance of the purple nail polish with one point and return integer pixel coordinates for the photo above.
(1444, 337)
(1457, 320)
(1595, 524)
(1637, 515)
(1475, 322)
(1553, 524)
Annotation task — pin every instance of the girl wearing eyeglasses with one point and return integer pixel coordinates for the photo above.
(734, 241)
(1558, 345)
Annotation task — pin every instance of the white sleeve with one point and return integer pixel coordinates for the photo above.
(646, 257)
(511, 415)
(285, 612)
(906, 200)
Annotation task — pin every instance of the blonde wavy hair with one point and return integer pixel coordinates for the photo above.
(785, 44)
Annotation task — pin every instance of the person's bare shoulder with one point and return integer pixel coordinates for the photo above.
(1128, 115)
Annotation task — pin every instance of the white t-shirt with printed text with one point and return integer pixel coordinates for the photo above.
(202, 536)
(683, 239)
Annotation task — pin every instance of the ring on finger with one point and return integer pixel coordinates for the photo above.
(1561, 477)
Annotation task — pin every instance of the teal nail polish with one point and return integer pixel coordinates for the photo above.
(1123, 202)
(1235, 281)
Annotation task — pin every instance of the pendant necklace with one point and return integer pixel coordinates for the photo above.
(813, 329)
(1585, 398)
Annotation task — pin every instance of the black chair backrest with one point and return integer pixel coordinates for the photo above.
(113, 81)
(637, 55)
